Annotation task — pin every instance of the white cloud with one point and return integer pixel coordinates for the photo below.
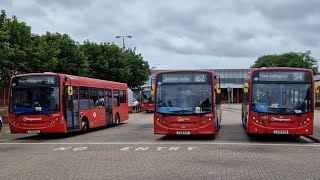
(182, 34)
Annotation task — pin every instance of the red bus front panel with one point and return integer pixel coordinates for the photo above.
(37, 124)
(185, 125)
(147, 106)
(280, 124)
(147, 99)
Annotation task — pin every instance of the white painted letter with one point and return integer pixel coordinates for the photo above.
(125, 149)
(160, 148)
(142, 148)
(80, 148)
(174, 148)
(62, 148)
(191, 148)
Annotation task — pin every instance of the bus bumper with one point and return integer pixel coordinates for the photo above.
(260, 129)
(207, 129)
(55, 128)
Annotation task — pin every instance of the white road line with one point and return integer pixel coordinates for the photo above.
(166, 143)
(5, 140)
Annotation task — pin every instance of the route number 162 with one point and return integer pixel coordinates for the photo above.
(200, 78)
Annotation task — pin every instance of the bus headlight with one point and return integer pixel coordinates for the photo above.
(161, 121)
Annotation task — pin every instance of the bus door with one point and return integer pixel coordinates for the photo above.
(72, 108)
(108, 105)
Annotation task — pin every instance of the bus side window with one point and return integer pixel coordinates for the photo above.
(84, 98)
(93, 97)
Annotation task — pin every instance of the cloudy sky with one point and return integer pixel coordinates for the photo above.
(182, 34)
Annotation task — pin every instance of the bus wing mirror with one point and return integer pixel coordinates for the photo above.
(246, 87)
(316, 88)
(218, 89)
(70, 90)
(152, 89)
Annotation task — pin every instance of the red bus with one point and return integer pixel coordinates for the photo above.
(146, 99)
(59, 103)
(279, 101)
(187, 102)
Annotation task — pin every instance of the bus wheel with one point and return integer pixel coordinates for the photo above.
(84, 125)
(117, 119)
(218, 124)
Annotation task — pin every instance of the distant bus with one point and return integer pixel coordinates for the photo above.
(187, 102)
(279, 101)
(146, 99)
(59, 103)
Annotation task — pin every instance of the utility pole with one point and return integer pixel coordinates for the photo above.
(123, 44)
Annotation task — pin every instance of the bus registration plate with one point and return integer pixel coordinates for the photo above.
(280, 132)
(33, 131)
(183, 132)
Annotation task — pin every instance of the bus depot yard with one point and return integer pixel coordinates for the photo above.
(132, 151)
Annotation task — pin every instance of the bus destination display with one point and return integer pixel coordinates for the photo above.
(184, 77)
(294, 76)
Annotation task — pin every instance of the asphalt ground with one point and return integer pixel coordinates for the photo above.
(132, 151)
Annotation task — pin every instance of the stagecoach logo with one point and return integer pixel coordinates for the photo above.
(25, 119)
(181, 119)
(256, 79)
(281, 119)
(94, 114)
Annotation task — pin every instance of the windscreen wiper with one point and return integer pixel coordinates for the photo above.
(263, 113)
(184, 110)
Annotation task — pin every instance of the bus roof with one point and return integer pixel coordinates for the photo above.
(281, 68)
(76, 79)
(185, 70)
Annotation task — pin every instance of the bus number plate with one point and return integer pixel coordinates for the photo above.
(280, 132)
(183, 132)
(33, 131)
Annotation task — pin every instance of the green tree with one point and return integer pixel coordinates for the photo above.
(71, 60)
(110, 62)
(291, 59)
(14, 46)
(139, 69)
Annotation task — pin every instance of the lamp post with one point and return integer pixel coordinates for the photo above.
(123, 45)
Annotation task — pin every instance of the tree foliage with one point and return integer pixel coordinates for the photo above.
(24, 52)
(291, 59)
(14, 47)
(108, 61)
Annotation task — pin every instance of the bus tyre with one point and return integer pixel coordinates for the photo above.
(117, 119)
(295, 136)
(218, 125)
(84, 126)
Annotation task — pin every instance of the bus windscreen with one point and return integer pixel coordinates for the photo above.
(35, 95)
(282, 92)
(184, 93)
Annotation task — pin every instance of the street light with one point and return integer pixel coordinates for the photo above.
(123, 45)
